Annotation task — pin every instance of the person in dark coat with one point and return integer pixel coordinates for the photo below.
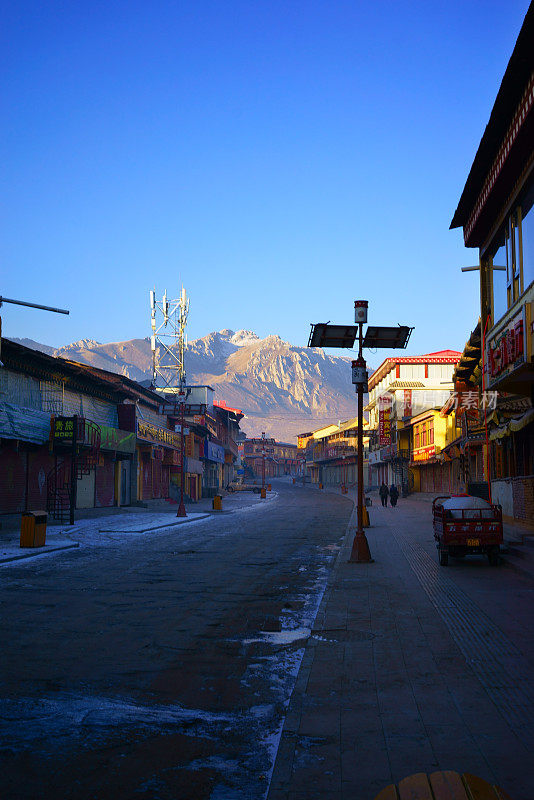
(393, 494)
(383, 492)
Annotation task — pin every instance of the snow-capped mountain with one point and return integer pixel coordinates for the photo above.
(282, 389)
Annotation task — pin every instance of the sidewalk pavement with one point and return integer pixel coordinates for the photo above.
(518, 539)
(408, 669)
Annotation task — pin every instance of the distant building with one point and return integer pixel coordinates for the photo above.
(281, 458)
(330, 453)
(401, 390)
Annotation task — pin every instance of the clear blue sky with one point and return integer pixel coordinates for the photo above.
(280, 158)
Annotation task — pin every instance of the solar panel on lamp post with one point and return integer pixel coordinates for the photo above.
(323, 334)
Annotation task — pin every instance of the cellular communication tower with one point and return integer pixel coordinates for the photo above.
(168, 341)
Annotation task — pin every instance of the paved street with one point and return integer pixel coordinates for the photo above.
(154, 665)
(163, 664)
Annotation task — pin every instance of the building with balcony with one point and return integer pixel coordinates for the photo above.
(496, 213)
(401, 389)
(331, 453)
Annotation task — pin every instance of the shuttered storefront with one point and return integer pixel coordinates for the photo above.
(12, 479)
(105, 484)
(40, 464)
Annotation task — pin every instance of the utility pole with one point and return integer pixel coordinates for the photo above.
(181, 508)
(73, 470)
(263, 464)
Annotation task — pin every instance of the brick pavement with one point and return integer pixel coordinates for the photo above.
(411, 668)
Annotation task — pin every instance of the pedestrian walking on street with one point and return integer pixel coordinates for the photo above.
(393, 494)
(383, 492)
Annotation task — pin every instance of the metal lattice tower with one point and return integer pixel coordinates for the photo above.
(168, 341)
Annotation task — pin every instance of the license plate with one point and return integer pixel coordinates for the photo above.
(473, 542)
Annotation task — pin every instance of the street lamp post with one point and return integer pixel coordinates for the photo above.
(325, 335)
(360, 552)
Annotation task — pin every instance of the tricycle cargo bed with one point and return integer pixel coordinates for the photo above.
(465, 525)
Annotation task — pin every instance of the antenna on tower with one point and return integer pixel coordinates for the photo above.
(182, 340)
(168, 342)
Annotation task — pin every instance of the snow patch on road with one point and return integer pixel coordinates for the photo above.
(283, 637)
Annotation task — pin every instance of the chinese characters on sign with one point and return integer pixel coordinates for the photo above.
(507, 349)
(407, 402)
(157, 435)
(384, 419)
(64, 429)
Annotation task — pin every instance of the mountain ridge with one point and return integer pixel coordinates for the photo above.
(281, 388)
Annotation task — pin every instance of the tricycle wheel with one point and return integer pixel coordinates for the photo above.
(443, 558)
(493, 557)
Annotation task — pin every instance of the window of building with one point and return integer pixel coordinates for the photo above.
(417, 436)
(430, 433)
(515, 251)
(527, 238)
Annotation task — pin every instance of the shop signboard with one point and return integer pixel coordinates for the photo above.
(424, 453)
(384, 419)
(407, 403)
(214, 452)
(63, 430)
(155, 434)
(506, 349)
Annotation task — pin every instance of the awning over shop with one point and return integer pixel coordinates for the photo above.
(513, 426)
(25, 424)
(468, 368)
(114, 439)
(193, 466)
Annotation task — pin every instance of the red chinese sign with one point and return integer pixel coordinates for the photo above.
(506, 350)
(384, 419)
(407, 402)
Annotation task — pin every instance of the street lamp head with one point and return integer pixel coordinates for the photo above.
(388, 337)
(323, 334)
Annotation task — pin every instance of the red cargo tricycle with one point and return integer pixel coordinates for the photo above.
(464, 524)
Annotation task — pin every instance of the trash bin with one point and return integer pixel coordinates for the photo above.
(217, 502)
(263, 494)
(33, 529)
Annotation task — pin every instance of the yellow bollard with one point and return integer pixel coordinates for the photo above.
(263, 494)
(217, 503)
(268, 487)
(366, 522)
(320, 486)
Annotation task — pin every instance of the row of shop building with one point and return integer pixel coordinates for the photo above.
(270, 458)
(72, 433)
(450, 422)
